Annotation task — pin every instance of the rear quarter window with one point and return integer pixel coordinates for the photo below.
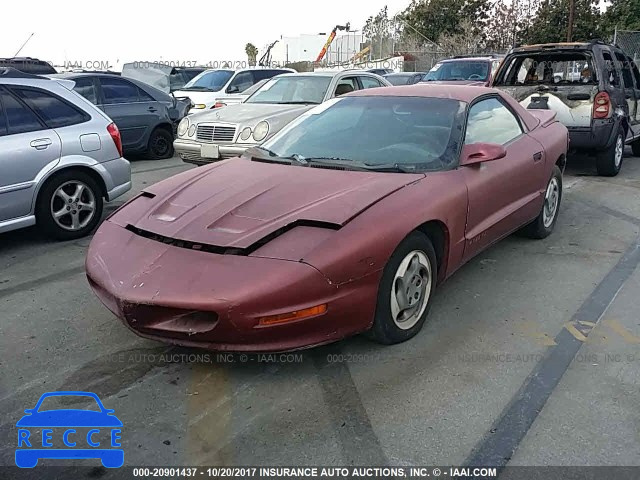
(53, 110)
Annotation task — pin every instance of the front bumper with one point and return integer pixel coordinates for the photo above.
(199, 299)
(190, 151)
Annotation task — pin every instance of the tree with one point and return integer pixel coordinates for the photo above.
(429, 19)
(252, 53)
(467, 41)
(552, 19)
(623, 15)
(379, 31)
(509, 23)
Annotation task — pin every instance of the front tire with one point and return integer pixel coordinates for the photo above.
(69, 205)
(405, 291)
(160, 144)
(543, 225)
(609, 161)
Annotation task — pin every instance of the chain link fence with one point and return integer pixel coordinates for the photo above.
(629, 42)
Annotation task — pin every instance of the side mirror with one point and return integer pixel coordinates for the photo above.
(476, 153)
(233, 89)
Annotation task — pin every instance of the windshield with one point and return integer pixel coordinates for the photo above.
(293, 89)
(417, 132)
(459, 71)
(548, 68)
(210, 80)
(399, 79)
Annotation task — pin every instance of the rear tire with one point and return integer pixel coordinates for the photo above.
(406, 290)
(609, 161)
(160, 144)
(543, 225)
(69, 205)
(635, 148)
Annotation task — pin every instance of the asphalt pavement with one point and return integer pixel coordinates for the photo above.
(530, 357)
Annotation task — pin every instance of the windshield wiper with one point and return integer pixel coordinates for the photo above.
(358, 165)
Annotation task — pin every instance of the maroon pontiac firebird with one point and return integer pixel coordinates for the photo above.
(343, 222)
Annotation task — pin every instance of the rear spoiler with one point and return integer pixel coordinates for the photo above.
(545, 117)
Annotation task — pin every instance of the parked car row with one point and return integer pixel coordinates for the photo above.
(226, 132)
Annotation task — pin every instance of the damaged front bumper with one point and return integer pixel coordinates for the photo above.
(194, 298)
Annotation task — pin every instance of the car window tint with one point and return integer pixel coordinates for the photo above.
(3, 120)
(346, 85)
(85, 87)
(116, 91)
(369, 82)
(264, 74)
(636, 73)
(242, 80)
(490, 121)
(20, 119)
(53, 110)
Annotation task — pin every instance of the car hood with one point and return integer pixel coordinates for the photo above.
(251, 113)
(69, 418)
(237, 203)
(197, 96)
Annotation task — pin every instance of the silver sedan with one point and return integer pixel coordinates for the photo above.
(227, 132)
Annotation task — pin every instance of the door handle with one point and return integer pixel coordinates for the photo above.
(151, 109)
(537, 156)
(41, 143)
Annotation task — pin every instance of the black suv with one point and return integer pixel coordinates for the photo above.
(594, 88)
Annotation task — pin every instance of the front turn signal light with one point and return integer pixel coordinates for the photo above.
(292, 316)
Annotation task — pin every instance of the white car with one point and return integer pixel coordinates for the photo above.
(207, 88)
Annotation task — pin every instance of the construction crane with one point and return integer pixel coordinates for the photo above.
(265, 60)
(323, 52)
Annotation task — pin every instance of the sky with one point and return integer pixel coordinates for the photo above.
(118, 31)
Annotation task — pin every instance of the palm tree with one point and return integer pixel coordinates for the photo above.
(252, 53)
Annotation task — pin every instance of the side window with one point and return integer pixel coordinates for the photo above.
(346, 85)
(264, 74)
(369, 82)
(54, 111)
(636, 73)
(85, 87)
(612, 71)
(625, 67)
(116, 90)
(241, 82)
(144, 96)
(3, 119)
(490, 121)
(20, 119)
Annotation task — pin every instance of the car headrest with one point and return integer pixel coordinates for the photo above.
(343, 88)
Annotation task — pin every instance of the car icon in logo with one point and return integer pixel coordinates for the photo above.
(64, 433)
